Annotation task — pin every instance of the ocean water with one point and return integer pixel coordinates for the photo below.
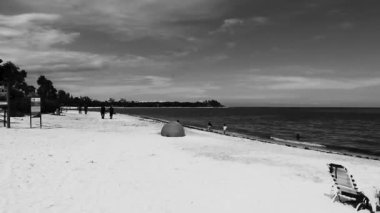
(342, 129)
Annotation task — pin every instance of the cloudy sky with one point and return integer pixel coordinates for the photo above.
(241, 52)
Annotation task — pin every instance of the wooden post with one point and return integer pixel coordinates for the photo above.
(5, 116)
(40, 113)
(3, 103)
(30, 118)
(9, 105)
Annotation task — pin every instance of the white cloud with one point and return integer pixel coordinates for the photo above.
(32, 31)
(54, 60)
(216, 58)
(228, 26)
(228, 23)
(27, 19)
(30, 41)
(158, 81)
(319, 37)
(130, 18)
(293, 70)
(179, 54)
(347, 25)
(231, 44)
(310, 83)
(231, 24)
(259, 20)
(150, 86)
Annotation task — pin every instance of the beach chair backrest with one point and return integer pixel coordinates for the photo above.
(343, 181)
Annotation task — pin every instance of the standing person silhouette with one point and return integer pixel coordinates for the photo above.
(102, 111)
(298, 136)
(209, 126)
(224, 128)
(85, 109)
(111, 112)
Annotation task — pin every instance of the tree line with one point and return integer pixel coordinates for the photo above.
(13, 77)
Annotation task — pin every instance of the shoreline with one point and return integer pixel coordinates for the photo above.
(299, 145)
(323, 149)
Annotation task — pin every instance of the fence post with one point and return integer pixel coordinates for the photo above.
(9, 105)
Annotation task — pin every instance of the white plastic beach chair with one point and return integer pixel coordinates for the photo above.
(346, 188)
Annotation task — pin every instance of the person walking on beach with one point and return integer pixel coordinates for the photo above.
(85, 109)
(298, 137)
(224, 129)
(111, 112)
(209, 126)
(102, 111)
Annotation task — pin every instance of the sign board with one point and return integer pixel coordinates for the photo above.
(3, 91)
(3, 96)
(35, 110)
(35, 104)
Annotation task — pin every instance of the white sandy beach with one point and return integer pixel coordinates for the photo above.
(80, 163)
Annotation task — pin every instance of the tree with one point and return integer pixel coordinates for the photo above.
(212, 103)
(11, 74)
(85, 100)
(25, 88)
(111, 100)
(46, 89)
(12, 77)
(63, 97)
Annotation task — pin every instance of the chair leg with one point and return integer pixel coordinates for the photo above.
(335, 198)
(364, 205)
(376, 204)
(359, 206)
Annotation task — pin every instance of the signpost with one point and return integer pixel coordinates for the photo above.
(4, 117)
(4, 101)
(35, 110)
(3, 96)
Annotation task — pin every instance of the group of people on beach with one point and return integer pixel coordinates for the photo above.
(85, 109)
(209, 127)
(103, 111)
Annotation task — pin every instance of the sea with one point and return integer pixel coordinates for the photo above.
(354, 130)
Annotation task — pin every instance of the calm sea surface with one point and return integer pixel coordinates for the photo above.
(349, 129)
